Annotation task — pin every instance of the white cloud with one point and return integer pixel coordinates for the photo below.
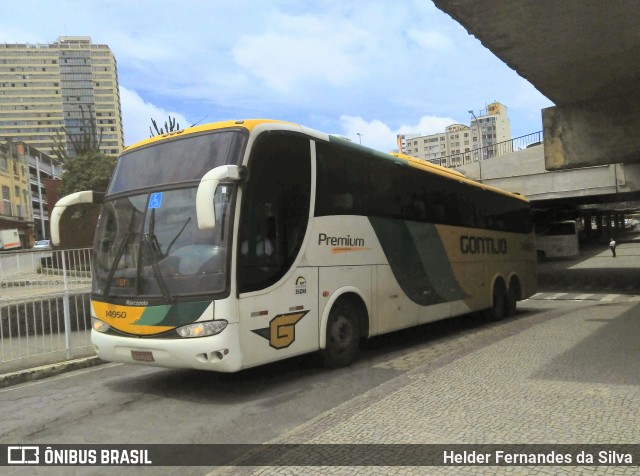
(137, 114)
(304, 48)
(378, 135)
(427, 125)
(375, 134)
(430, 40)
(147, 49)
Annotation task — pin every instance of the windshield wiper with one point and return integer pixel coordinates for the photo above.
(179, 233)
(151, 242)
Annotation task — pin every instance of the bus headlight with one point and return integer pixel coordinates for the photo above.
(202, 329)
(99, 325)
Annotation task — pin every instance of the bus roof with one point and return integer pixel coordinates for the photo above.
(250, 124)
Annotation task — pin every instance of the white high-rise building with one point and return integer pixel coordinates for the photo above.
(47, 89)
(460, 143)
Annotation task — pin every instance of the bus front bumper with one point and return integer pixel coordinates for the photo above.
(220, 353)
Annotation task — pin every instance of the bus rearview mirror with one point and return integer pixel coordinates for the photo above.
(205, 207)
(87, 196)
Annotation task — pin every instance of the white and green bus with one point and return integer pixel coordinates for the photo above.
(230, 245)
(557, 239)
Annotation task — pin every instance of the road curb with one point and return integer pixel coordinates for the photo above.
(50, 370)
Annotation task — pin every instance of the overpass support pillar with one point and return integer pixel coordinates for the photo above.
(610, 224)
(592, 132)
(598, 224)
(588, 229)
(620, 222)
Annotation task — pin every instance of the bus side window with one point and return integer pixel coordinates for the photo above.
(343, 203)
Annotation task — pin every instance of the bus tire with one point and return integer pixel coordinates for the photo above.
(513, 296)
(343, 335)
(498, 309)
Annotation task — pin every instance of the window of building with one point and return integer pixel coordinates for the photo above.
(6, 201)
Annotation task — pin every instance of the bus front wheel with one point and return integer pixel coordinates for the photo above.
(343, 336)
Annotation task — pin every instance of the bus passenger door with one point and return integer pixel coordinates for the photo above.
(282, 321)
(277, 298)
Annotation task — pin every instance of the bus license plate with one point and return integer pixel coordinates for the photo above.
(142, 356)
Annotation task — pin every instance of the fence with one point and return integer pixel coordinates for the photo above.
(44, 306)
(493, 150)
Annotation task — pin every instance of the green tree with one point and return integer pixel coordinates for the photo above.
(169, 126)
(88, 171)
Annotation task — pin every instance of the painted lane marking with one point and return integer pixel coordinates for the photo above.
(580, 297)
(610, 297)
(556, 296)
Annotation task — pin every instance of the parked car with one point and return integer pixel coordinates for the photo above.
(42, 245)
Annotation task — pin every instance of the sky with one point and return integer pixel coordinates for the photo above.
(364, 69)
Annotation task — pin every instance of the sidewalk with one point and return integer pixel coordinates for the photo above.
(596, 268)
(32, 352)
(25, 365)
(549, 378)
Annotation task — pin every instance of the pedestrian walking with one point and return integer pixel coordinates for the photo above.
(612, 246)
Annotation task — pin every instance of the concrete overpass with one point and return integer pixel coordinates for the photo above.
(584, 55)
(605, 192)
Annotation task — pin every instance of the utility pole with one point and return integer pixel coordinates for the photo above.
(480, 151)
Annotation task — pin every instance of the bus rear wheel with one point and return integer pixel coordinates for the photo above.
(498, 310)
(343, 336)
(512, 298)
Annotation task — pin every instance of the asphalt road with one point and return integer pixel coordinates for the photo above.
(117, 403)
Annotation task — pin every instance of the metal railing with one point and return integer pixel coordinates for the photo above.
(44, 304)
(491, 150)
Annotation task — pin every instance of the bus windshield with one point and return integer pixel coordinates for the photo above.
(178, 161)
(149, 246)
(147, 242)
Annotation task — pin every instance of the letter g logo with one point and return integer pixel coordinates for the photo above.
(282, 329)
(281, 332)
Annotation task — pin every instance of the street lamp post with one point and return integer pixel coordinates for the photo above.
(360, 137)
(480, 152)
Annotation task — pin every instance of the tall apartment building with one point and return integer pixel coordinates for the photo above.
(47, 87)
(459, 143)
(23, 173)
